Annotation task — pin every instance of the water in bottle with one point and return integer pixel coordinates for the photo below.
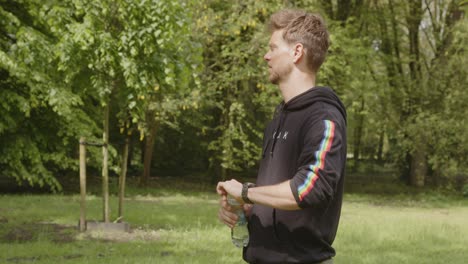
(239, 233)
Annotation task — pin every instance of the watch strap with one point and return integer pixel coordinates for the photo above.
(245, 190)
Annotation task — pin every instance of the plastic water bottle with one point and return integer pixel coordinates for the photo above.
(239, 233)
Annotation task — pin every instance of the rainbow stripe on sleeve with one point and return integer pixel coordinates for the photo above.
(320, 154)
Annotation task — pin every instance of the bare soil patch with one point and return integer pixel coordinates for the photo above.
(115, 236)
(24, 232)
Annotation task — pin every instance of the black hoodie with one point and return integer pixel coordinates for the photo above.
(306, 144)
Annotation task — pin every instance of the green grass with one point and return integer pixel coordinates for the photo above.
(372, 233)
(172, 227)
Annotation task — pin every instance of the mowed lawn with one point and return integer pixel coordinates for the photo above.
(175, 228)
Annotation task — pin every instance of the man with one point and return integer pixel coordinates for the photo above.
(298, 195)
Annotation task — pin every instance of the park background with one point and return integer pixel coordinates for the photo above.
(183, 86)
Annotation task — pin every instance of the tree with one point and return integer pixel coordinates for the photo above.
(86, 56)
(239, 100)
(390, 62)
(140, 62)
(169, 70)
(408, 36)
(38, 128)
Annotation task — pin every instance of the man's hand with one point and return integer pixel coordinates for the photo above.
(226, 212)
(232, 188)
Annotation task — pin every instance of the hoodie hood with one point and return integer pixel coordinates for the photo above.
(304, 100)
(313, 95)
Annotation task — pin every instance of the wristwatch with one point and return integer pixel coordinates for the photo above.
(245, 190)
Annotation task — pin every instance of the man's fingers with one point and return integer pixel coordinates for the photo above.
(223, 219)
(220, 189)
(227, 217)
(224, 203)
(248, 209)
(225, 213)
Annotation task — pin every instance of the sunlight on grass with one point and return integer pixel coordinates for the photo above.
(391, 234)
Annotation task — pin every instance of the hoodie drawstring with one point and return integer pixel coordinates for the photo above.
(278, 127)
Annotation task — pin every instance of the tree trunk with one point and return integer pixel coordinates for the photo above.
(395, 76)
(105, 170)
(223, 173)
(357, 8)
(358, 135)
(380, 147)
(418, 167)
(343, 10)
(148, 152)
(327, 6)
(130, 151)
(444, 34)
(387, 49)
(123, 175)
(82, 184)
(395, 38)
(414, 20)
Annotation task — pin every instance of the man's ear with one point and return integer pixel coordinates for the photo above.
(298, 52)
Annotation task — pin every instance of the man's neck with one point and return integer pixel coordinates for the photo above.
(296, 84)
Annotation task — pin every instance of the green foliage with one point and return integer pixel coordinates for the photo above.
(65, 60)
(190, 76)
(136, 55)
(37, 129)
(402, 95)
(432, 104)
(448, 134)
(239, 101)
(465, 190)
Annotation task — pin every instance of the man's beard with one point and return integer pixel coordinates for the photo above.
(274, 78)
(281, 74)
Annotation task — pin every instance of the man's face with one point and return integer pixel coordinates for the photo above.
(279, 58)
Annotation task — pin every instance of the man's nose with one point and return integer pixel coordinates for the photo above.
(267, 56)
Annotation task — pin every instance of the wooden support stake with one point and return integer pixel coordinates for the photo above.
(83, 184)
(105, 171)
(123, 175)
